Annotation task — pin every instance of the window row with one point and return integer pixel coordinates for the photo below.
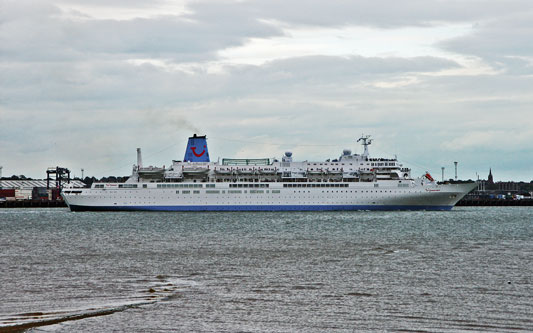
(248, 185)
(315, 185)
(179, 186)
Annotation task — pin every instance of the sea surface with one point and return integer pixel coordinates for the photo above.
(470, 269)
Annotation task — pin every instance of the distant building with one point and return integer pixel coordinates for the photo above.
(488, 188)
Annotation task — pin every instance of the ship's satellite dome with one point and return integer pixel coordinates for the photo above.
(346, 152)
(288, 153)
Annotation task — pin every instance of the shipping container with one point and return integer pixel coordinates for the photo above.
(39, 193)
(6, 193)
(23, 194)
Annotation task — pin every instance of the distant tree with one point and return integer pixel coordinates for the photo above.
(19, 177)
(109, 179)
(113, 179)
(89, 181)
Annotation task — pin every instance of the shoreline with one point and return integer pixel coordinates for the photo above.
(33, 204)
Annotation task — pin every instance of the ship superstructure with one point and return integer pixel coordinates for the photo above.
(350, 182)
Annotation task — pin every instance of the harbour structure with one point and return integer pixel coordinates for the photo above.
(350, 182)
(22, 188)
(26, 189)
(58, 175)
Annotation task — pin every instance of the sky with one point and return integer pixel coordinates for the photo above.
(84, 83)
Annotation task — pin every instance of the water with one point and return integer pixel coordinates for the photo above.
(468, 269)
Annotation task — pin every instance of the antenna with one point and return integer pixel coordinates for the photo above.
(82, 173)
(455, 169)
(366, 142)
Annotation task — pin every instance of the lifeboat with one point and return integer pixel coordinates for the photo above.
(223, 171)
(366, 175)
(151, 171)
(316, 172)
(195, 170)
(267, 171)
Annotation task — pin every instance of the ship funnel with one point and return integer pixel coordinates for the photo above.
(196, 149)
(139, 158)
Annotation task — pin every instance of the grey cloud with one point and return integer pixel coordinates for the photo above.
(14, 10)
(41, 33)
(377, 13)
(325, 66)
(115, 3)
(500, 42)
(116, 83)
(326, 76)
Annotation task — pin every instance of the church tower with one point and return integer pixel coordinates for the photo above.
(490, 180)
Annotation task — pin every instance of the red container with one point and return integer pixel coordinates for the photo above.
(7, 193)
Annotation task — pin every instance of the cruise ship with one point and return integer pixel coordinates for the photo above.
(349, 182)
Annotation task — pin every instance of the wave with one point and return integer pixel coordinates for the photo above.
(154, 291)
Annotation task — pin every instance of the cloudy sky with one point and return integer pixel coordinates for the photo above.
(83, 83)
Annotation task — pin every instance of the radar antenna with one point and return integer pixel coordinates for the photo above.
(366, 142)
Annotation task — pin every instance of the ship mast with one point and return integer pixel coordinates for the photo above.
(366, 142)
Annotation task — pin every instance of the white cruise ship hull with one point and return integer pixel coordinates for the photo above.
(383, 195)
